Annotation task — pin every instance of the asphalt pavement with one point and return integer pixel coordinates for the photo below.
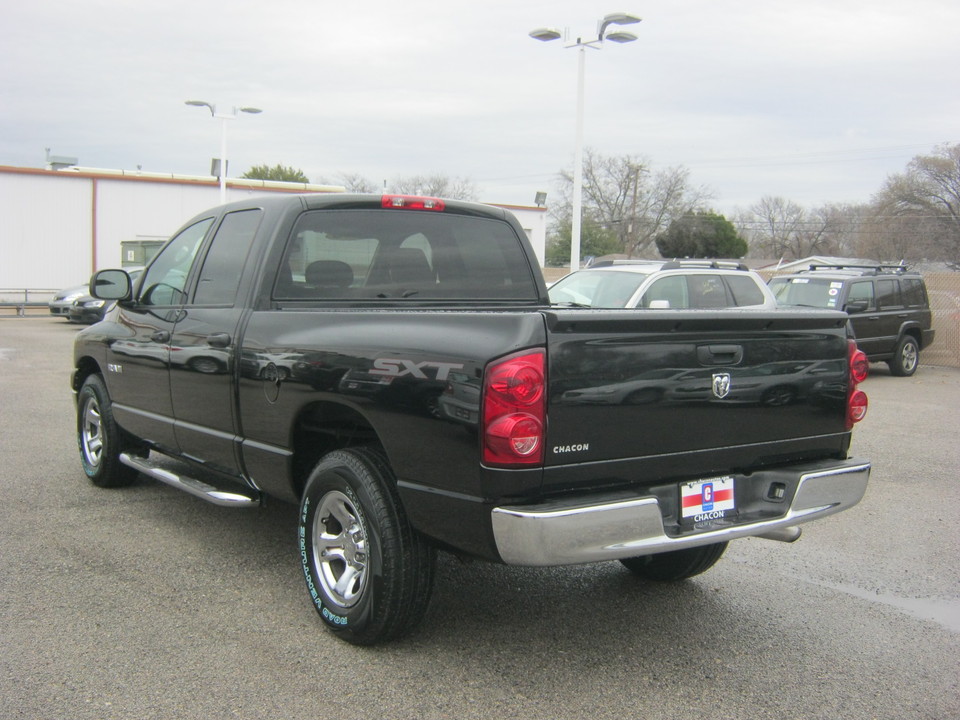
(145, 602)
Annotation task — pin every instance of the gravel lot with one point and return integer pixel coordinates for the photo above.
(148, 603)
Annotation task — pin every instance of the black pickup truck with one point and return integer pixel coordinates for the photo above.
(392, 364)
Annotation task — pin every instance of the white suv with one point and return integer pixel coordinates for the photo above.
(664, 284)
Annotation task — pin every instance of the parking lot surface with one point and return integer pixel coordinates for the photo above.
(144, 602)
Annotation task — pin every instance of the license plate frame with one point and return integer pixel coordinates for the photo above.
(707, 499)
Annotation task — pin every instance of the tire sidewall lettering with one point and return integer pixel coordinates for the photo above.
(334, 616)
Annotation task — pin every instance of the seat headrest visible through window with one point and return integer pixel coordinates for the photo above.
(329, 273)
(409, 265)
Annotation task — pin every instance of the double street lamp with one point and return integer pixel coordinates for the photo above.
(617, 36)
(234, 113)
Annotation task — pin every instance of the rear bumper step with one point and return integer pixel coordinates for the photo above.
(568, 534)
(190, 485)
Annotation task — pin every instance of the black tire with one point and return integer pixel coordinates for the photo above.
(906, 359)
(677, 564)
(368, 573)
(99, 438)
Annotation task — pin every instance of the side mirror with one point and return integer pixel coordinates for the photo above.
(659, 305)
(857, 306)
(111, 285)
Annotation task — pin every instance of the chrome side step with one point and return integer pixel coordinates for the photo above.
(190, 485)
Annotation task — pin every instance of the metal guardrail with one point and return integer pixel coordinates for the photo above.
(22, 298)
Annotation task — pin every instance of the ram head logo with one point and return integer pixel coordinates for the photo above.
(721, 385)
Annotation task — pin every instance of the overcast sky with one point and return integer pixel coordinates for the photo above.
(815, 101)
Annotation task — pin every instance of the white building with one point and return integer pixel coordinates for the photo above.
(58, 226)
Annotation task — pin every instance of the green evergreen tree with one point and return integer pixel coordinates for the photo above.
(701, 235)
(595, 240)
(277, 172)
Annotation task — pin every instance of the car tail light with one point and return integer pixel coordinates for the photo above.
(514, 410)
(859, 365)
(857, 407)
(856, 399)
(411, 202)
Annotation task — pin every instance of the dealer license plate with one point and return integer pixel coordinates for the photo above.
(704, 500)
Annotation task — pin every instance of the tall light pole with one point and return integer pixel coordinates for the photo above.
(617, 36)
(234, 113)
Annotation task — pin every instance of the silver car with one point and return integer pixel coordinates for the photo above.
(62, 302)
(663, 285)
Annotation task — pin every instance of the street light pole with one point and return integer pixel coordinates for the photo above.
(577, 211)
(223, 136)
(618, 36)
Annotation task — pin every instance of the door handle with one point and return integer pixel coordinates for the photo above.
(720, 354)
(218, 340)
(160, 336)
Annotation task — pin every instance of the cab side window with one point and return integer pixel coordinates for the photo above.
(166, 279)
(223, 265)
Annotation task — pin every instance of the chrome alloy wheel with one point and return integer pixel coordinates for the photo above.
(91, 433)
(340, 549)
(909, 357)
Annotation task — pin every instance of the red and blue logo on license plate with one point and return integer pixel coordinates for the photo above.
(703, 500)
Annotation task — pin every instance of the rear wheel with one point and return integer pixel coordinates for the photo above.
(677, 564)
(369, 574)
(906, 359)
(99, 437)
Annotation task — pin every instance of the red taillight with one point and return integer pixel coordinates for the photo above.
(514, 410)
(411, 202)
(859, 366)
(857, 407)
(856, 399)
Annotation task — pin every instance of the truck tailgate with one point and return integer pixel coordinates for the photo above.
(687, 393)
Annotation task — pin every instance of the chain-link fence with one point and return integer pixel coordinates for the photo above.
(944, 292)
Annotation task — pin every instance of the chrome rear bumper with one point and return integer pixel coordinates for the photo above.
(560, 534)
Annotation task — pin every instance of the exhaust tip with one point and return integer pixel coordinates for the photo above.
(786, 534)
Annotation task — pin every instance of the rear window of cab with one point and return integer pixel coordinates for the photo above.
(377, 254)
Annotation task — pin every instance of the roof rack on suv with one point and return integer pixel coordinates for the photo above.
(623, 261)
(706, 263)
(876, 269)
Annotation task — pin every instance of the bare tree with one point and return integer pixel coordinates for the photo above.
(436, 186)
(623, 194)
(356, 183)
(777, 224)
(779, 228)
(925, 202)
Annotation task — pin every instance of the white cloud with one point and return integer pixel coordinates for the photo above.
(814, 101)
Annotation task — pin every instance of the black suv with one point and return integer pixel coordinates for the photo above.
(887, 304)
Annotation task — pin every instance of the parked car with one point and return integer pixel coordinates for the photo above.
(62, 302)
(662, 284)
(888, 306)
(87, 309)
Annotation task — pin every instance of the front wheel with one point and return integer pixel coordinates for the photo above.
(99, 437)
(369, 574)
(906, 359)
(676, 564)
